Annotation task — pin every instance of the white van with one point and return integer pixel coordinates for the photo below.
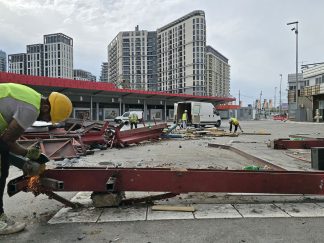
(199, 113)
(125, 117)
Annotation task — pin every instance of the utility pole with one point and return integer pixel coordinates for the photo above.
(239, 98)
(280, 94)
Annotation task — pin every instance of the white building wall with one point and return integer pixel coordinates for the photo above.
(314, 74)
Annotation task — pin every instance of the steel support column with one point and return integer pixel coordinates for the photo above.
(165, 111)
(97, 108)
(120, 106)
(145, 110)
(91, 108)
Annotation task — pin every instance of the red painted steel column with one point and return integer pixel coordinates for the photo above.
(166, 180)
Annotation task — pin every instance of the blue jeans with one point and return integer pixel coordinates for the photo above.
(184, 124)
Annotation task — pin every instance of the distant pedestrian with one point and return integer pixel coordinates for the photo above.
(235, 122)
(184, 119)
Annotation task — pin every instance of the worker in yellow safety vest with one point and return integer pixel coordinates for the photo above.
(184, 119)
(233, 121)
(20, 107)
(133, 120)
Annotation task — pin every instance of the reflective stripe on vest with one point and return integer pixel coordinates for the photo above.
(21, 93)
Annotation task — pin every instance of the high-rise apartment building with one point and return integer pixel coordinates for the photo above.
(54, 58)
(3, 61)
(217, 73)
(173, 59)
(17, 63)
(79, 74)
(104, 72)
(132, 60)
(181, 55)
(35, 59)
(58, 56)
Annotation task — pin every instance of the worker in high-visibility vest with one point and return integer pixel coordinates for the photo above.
(184, 119)
(233, 121)
(133, 120)
(20, 107)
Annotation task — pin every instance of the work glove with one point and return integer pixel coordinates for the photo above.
(33, 153)
(31, 168)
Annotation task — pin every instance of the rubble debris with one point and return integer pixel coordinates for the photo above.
(106, 199)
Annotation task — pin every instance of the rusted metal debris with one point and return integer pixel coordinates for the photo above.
(119, 138)
(297, 143)
(56, 149)
(79, 137)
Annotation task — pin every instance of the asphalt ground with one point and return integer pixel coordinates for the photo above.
(36, 211)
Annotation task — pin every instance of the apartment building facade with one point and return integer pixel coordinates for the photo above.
(132, 60)
(79, 74)
(58, 56)
(17, 63)
(217, 73)
(173, 59)
(181, 55)
(104, 72)
(53, 58)
(3, 61)
(35, 59)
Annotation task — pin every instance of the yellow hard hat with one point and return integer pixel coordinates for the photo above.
(61, 107)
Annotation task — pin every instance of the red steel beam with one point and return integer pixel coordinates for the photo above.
(297, 144)
(139, 134)
(191, 180)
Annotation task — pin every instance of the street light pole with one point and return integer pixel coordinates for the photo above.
(275, 100)
(296, 32)
(260, 103)
(280, 94)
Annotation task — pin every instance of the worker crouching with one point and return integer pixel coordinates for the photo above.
(234, 122)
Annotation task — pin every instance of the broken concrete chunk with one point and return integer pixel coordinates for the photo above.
(102, 199)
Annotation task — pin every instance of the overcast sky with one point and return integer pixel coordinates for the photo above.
(252, 34)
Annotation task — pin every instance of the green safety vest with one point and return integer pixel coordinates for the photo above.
(234, 121)
(133, 118)
(18, 92)
(184, 116)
